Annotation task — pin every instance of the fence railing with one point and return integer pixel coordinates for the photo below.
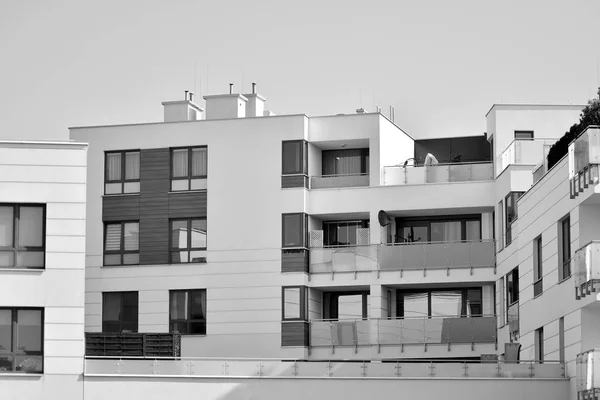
(133, 344)
(437, 173)
(377, 331)
(339, 181)
(291, 369)
(523, 151)
(585, 266)
(588, 375)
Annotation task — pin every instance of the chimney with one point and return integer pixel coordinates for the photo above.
(182, 110)
(226, 106)
(255, 107)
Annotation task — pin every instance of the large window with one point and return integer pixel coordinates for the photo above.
(440, 303)
(511, 213)
(122, 172)
(345, 162)
(295, 303)
(294, 157)
(22, 235)
(120, 312)
(343, 233)
(539, 345)
(512, 287)
(439, 229)
(538, 273)
(122, 243)
(188, 240)
(187, 311)
(189, 168)
(294, 230)
(345, 305)
(564, 248)
(21, 340)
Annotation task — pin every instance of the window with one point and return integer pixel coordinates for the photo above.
(440, 303)
(511, 213)
(342, 233)
(188, 240)
(189, 168)
(501, 301)
(500, 236)
(439, 229)
(294, 157)
(538, 273)
(120, 312)
(564, 248)
(345, 305)
(295, 303)
(561, 339)
(187, 313)
(121, 243)
(294, 230)
(524, 135)
(22, 235)
(21, 340)
(345, 162)
(122, 172)
(539, 345)
(512, 287)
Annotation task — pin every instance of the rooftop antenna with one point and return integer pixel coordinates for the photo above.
(253, 87)
(194, 76)
(186, 94)
(230, 88)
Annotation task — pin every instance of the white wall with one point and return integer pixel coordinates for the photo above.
(395, 146)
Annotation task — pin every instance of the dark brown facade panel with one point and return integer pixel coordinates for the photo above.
(294, 181)
(120, 208)
(294, 333)
(154, 240)
(294, 261)
(187, 205)
(153, 206)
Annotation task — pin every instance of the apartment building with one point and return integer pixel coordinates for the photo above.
(42, 267)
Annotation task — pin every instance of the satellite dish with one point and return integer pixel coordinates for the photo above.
(430, 159)
(384, 219)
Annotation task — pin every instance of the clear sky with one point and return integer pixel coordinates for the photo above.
(441, 64)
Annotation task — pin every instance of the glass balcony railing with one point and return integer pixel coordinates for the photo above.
(585, 266)
(373, 332)
(438, 173)
(292, 369)
(588, 375)
(339, 181)
(522, 151)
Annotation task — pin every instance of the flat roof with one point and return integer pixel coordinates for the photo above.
(42, 143)
(533, 106)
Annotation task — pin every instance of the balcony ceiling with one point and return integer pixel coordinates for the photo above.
(342, 216)
(337, 144)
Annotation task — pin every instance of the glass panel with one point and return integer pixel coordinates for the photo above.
(111, 307)
(416, 305)
(291, 305)
(179, 304)
(414, 234)
(130, 311)
(131, 259)
(473, 230)
(198, 256)
(198, 184)
(5, 331)
(31, 226)
(30, 259)
(449, 231)
(113, 167)
(180, 163)
(29, 363)
(198, 304)
(179, 234)
(113, 237)
(112, 259)
(197, 328)
(131, 187)
(29, 330)
(112, 188)
(180, 184)
(179, 256)
(199, 233)
(6, 226)
(132, 235)
(293, 230)
(350, 306)
(6, 363)
(132, 165)
(445, 304)
(292, 157)
(566, 240)
(7, 259)
(199, 162)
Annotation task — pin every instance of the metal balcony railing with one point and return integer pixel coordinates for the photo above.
(376, 332)
(524, 151)
(588, 375)
(339, 181)
(585, 266)
(133, 344)
(437, 173)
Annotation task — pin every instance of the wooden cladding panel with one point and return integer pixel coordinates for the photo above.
(120, 208)
(294, 333)
(187, 205)
(294, 181)
(294, 260)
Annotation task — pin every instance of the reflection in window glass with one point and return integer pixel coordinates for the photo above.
(291, 303)
(5, 330)
(446, 303)
(446, 231)
(293, 230)
(29, 332)
(6, 226)
(416, 304)
(473, 230)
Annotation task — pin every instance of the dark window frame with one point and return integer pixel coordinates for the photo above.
(539, 345)
(463, 295)
(564, 251)
(538, 270)
(14, 353)
(122, 252)
(16, 248)
(402, 223)
(121, 312)
(189, 247)
(364, 161)
(188, 320)
(514, 198)
(303, 303)
(524, 132)
(304, 235)
(303, 155)
(364, 223)
(123, 179)
(189, 176)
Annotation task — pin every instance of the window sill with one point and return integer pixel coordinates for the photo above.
(121, 194)
(150, 265)
(21, 374)
(29, 270)
(187, 191)
(565, 279)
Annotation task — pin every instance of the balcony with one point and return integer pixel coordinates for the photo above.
(296, 369)
(133, 344)
(438, 173)
(339, 181)
(521, 151)
(584, 161)
(406, 331)
(588, 375)
(585, 266)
